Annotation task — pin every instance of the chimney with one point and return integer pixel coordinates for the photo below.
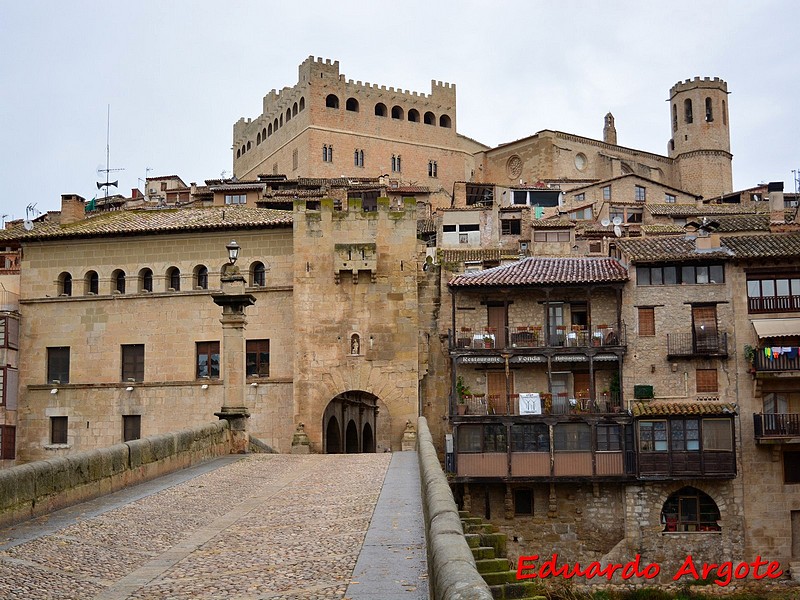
(73, 208)
(776, 208)
(609, 131)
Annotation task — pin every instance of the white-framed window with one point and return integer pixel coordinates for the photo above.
(235, 198)
(640, 193)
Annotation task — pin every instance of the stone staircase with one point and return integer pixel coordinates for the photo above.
(489, 549)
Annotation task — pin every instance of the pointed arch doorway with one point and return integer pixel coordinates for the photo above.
(349, 423)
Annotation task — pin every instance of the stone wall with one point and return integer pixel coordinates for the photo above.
(41, 487)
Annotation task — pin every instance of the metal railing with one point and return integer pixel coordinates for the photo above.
(776, 425)
(551, 404)
(688, 344)
(536, 336)
(9, 300)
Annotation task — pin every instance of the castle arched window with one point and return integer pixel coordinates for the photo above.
(327, 153)
(302, 104)
(244, 149)
(674, 117)
(238, 153)
(201, 277)
(332, 101)
(396, 166)
(118, 281)
(709, 111)
(351, 105)
(269, 130)
(146, 280)
(687, 110)
(433, 169)
(65, 284)
(413, 115)
(397, 112)
(280, 121)
(294, 109)
(724, 113)
(275, 126)
(91, 283)
(174, 279)
(380, 110)
(258, 138)
(690, 509)
(249, 145)
(444, 121)
(258, 274)
(358, 158)
(288, 114)
(264, 134)
(430, 118)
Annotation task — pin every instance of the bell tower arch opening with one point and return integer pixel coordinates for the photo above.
(349, 423)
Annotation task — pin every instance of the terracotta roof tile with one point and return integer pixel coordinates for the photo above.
(734, 223)
(551, 223)
(426, 226)
(409, 189)
(543, 271)
(652, 249)
(469, 255)
(138, 222)
(662, 229)
(707, 407)
(691, 210)
(779, 245)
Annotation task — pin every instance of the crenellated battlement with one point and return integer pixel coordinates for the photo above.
(714, 83)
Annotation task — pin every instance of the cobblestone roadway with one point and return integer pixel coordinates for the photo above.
(268, 526)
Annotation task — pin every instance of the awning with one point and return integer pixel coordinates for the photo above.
(776, 327)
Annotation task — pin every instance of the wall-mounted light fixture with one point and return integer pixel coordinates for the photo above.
(129, 388)
(204, 386)
(54, 391)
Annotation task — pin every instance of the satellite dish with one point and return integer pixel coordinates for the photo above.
(617, 231)
(617, 221)
(605, 222)
(27, 224)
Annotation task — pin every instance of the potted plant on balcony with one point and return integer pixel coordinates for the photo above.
(487, 341)
(750, 356)
(462, 391)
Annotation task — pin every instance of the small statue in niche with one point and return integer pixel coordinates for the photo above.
(355, 344)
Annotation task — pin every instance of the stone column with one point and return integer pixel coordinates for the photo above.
(233, 301)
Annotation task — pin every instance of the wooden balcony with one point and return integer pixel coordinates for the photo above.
(777, 428)
(773, 304)
(9, 263)
(690, 345)
(783, 362)
(534, 336)
(550, 404)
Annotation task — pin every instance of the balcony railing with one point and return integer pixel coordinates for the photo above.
(535, 336)
(688, 344)
(550, 404)
(783, 362)
(9, 300)
(771, 304)
(776, 425)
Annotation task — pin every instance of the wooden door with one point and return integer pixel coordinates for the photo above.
(497, 322)
(496, 390)
(580, 385)
(704, 319)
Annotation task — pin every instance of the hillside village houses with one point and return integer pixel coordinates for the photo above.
(604, 340)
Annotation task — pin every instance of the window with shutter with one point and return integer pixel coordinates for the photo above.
(706, 380)
(647, 321)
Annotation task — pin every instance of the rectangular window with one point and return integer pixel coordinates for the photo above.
(257, 358)
(617, 212)
(572, 437)
(647, 320)
(433, 169)
(295, 160)
(717, 434)
(579, 197)
(685, 435)
(595, 247)
(131, 427)
(607, 192)
(58, 430)
(520, 197)
(653, 436)
(523, 502)
(640, 193)
(706, 381)
(448, 228)
(207, 360)
(132, 362)
(791, 467)
(685, 274)
(8, 442)
(9, 332)
(669, 198)
(235, 198)
(470, 438)
(494, 438)
(511, 226)
(551, 236)
(9, 385)
(58, 364)
(609, 438)
(633, 215)
(530, 437)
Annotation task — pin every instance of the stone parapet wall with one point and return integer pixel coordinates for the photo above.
(40, 487)
(451, 566)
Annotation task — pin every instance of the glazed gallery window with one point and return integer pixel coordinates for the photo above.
(680, 274)
(653, 436)
(132, 362)
(510, 226)
(609, 438)
(627, 214)
(207, 362)
(530, 437)
(257, 358)
(640, 193)
(551, 236)
(482, 438)
(58, 364)
(572, 437)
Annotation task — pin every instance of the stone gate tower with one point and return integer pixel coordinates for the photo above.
(701, 141)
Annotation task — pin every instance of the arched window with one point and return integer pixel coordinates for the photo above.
(275, 126)
(302, 104)
(258, 138)
(430, 118)
(280, 121)
(294, 109)
(397, 112)
(709, 111)
(174, 279)
(258, 274)
(264, 134)
(91, 283)
(243, 149)
(238, 153)
(269, 130)
(288, 114)
(201, 277)
(413, 115)
(724, 113)
(358, 158)
(674, 117)
(380, 110)
(396, 166)
(146, 280)
(327, 153)
(332, 101)
(249, 145)
(687, 110)
(118, 281)
(65, 284)
(444, 121)
(351, 105)
(689, 509)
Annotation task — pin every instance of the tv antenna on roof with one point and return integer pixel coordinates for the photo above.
(108, 169)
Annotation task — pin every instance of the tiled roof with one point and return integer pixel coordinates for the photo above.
(409, 189)
(782, 245)
(551, 223)
(335, 181)
(295, 194)
(705, 407)
(542, 271)
(238, 187)
(660, 229)
(469, 255)
(426, 226)
(661, 248)
(691, 210)
(138, 222)
(732, 223)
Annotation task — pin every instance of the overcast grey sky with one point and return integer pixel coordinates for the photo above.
(178, 74)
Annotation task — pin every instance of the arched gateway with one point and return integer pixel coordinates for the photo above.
(349, 422)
